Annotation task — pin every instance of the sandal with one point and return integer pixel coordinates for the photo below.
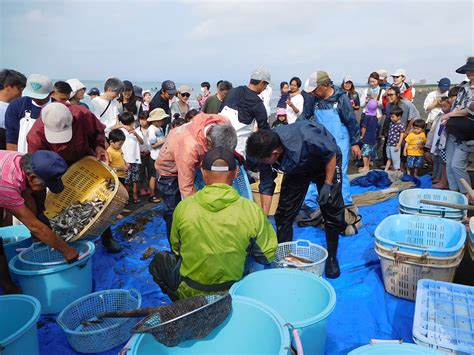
(154, 199)
(136, 201)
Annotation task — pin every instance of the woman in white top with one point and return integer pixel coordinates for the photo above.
(295, 104)
(106, 107)
(374, 91)
(181, 106)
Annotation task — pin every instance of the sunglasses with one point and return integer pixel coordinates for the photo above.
(396, 76)
(185, 94)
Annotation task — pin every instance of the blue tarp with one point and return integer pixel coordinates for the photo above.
(363, 310)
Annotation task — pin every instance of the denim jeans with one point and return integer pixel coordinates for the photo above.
(170, 197)
(456, 165)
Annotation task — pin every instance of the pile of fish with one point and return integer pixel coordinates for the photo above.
(71, 221)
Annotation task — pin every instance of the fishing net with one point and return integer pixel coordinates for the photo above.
(192, 318)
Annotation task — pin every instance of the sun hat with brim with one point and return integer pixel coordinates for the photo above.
(50, 167)
(57, 119)
(38, 86)
(469, 66)
(399, 72)
(184, 89)
(75, 85)
(157, 114)
(315, 79)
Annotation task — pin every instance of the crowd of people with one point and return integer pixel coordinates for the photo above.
(156, 144)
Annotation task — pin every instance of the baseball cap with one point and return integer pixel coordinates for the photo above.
(399, 72)
(444, 84)
(50, 167)
(347, 78)
(169, 86)
(157, 114)
(219, 153)
(75, 85)
(383, 74)
(57, 119)
(315, 79)
(93, 91)
(261, 74)
(184, 88)
(38, 86)
(138, 91)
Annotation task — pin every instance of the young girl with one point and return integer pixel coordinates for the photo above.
(281, 118)
(146, 167)
(131, 152)
(285, 95)
(369, 127)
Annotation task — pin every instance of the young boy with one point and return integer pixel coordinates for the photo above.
(395, 139)
(415, 142)
(115, 154)
(131, 152)
(146, 168)
(368, 132)
(281, 118)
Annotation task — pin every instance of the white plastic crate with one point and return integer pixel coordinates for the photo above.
(305, 249)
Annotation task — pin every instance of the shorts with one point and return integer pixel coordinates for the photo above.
(393, 156)
(133, 173)
(369, 150)
(147, 168)
(414, 162)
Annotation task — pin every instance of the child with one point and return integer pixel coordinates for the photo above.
(156, 138)
(395, 139)
(369, 127)
(146, 167)
(415, 142)
(281, 118)
(177, 122)
(115, 154)
(131, 152)
(285, 95)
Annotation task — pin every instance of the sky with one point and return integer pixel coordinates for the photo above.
(193, 41)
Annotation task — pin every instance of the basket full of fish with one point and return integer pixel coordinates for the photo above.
(90, 202)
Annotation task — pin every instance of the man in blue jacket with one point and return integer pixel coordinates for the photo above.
(331, 107)
(305, 151)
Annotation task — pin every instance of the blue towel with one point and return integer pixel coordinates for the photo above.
(373, 178)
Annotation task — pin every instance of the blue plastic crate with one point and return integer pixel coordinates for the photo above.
(410, 202)
(241, 183)
(421, 235)
(444, 316)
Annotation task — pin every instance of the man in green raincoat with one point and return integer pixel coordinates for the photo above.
(213, 235)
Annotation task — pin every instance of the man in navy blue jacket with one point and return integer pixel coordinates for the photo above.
(305, 151)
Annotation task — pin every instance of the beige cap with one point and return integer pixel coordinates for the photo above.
(317, 78)
(57, 119)
(157, 114)
(399, 72)
(184, 88)
(383, 74)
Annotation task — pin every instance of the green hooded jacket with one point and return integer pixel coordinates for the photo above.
(214, 231)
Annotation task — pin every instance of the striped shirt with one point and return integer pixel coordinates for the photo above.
(12, 180)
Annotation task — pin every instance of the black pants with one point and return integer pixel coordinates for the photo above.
(293, 192)
(170, 197)
(147, 168)
(164, 268)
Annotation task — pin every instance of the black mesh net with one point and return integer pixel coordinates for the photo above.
(192, 318)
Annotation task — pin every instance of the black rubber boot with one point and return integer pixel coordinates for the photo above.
(109, 243)
(331, 268)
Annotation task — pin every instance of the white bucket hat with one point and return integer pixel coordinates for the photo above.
(75, 85)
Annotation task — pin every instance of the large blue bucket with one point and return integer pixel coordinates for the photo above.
(251, 328)
(18, 317)
(14, 237)
(58, 286)
(393, 349)
(301, 298)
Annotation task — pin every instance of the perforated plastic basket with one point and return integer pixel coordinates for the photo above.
(444, 316)
(410, 202)
(93, 338)
(421, 235)
(401, 275)
(305, 249)
(41, 256)
(241, 183)
(458, 218)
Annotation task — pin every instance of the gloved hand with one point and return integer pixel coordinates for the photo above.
(325, 194)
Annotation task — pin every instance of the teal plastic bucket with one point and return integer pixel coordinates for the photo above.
(58, 286)
(18, 317)
(15, 237)
(393, 349)
(251, 328)
(302, 299)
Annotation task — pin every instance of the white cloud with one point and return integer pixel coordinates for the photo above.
(205, 30)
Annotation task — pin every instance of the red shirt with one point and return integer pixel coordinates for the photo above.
(87, 134)
(12, 180)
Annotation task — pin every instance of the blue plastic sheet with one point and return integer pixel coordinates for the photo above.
(375, 178)
(363, 310)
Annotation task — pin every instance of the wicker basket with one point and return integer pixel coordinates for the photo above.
(86, 180)
(402, 271)
(276, 194)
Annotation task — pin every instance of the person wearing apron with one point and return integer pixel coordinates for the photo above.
(334, 111)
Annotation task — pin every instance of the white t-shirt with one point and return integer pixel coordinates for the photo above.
(266, 95)
(144, 135)
(430, 98)
(154, 135)
(298, 101)
(131, 148)
(109, 118)
(3, 109)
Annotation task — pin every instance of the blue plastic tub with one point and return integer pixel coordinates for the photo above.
(251, 328)
(241, 183)
(421, 235)
(18, 317)
(58, 286)
(392, 349)
(15, 237)
(444, 316)
(303, 300)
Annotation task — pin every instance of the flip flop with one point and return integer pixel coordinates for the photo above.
(154, 199)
